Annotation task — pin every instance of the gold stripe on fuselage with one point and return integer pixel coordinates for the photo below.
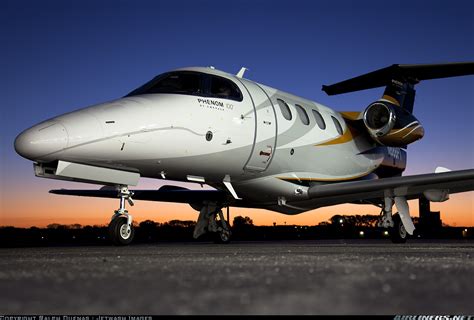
(348, 135)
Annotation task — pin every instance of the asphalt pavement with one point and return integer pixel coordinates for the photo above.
(300, 277)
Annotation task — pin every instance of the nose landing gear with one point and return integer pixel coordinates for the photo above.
(121, 230)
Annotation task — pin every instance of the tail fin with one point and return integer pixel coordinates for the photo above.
(400, 79)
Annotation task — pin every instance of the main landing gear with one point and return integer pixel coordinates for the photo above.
(211, 219)
(397, 233)
(121, 230)
(400, 224)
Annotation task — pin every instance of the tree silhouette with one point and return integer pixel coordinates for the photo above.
(55, 226)
(181, 223)
(148, 224)
(240, 221)
(366, 220)
(148, 230)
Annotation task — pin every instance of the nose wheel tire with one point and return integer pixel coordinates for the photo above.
(120, 232)
(398, 234)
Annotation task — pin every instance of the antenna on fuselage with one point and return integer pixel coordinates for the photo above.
(241, 72)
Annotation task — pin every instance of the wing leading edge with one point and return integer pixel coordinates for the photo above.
(165, 193)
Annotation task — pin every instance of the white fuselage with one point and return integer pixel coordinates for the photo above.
(178, 136)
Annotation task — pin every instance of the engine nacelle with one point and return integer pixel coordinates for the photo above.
(391, 125)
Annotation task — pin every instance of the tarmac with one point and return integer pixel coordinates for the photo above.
(298, 277)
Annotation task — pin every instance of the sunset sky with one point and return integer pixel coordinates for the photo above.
(58, 56)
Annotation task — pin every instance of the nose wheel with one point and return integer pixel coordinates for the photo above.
(121, 230)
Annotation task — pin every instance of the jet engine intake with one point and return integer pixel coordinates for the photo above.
(391, 125)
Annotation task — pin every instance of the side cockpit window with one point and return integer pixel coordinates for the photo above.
(224, 88)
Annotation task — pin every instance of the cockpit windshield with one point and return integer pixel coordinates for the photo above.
(173, 82)
(191, 83)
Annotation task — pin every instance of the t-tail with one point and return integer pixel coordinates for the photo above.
(390, 120)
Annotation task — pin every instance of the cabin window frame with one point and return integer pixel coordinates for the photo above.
(338, 125)
(318, 117)
(285, 109)
(302, 114)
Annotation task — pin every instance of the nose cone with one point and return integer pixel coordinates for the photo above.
(41, 140)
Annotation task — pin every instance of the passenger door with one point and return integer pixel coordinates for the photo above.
(265, 129)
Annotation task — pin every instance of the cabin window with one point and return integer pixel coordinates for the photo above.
(319, 119)
(338, 125)
(302, 113)
(285, 110)
(224, 88)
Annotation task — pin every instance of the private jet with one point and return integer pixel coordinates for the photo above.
(256, 146)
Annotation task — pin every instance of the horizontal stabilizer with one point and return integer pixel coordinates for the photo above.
(413, 73)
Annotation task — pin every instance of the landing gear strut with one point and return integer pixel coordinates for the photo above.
(398, 234)
(121, 230)
(394, 223)
(211, 219)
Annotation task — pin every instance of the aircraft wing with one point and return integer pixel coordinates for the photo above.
(411, 187)
(165, 193)
(364, 191)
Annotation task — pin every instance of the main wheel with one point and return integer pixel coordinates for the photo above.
(222, 236)
(398, 234)
(119, 231)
